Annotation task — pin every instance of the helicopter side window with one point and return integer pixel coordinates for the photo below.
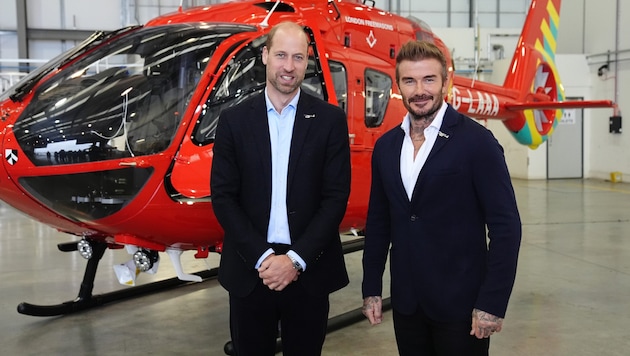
(244, 77)
(378, 88)
(340, 82)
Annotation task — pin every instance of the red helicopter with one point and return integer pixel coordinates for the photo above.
(112, 141)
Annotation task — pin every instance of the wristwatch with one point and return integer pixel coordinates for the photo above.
(296, 264)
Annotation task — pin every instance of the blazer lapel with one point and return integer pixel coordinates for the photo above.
(394, 164)
(445, 132)
(305, 115)
(260, 132)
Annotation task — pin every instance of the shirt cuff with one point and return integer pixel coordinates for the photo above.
(262, 258)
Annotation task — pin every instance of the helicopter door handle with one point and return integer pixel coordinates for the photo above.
(351, 137)
(136, 163)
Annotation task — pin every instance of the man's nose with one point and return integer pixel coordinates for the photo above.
(289, 64)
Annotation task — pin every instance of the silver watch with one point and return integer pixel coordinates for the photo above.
(296, 264)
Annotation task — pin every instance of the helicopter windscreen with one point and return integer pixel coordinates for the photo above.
(124, 99)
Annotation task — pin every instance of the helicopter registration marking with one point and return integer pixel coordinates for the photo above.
(483, 104)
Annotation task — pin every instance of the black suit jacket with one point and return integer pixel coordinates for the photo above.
(439, 258)
(317, 192)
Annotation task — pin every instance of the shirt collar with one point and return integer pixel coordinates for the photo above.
(435, 124)
(292, 103)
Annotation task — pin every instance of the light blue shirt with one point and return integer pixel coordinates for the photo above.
(280, 133)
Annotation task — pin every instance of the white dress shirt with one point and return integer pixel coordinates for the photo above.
(411, 166)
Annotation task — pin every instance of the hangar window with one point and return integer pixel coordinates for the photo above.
(378, 87)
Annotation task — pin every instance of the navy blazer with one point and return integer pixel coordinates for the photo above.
(318, 187)
(440, 260)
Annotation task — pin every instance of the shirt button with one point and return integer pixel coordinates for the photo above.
(413, 218)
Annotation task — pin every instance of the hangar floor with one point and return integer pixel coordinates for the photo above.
(571, 295)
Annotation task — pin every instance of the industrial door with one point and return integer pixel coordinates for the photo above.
(565, 146)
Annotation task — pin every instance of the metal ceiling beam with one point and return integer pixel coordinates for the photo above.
(57, 34)
(20, 9)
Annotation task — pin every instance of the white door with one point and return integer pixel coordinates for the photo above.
(565, 146)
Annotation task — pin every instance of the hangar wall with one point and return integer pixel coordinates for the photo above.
(589, 28)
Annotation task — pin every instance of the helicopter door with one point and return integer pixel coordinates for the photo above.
(241, 76)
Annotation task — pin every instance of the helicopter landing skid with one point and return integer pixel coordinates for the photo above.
(85, 299)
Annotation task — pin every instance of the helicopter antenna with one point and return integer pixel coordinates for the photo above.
(265, 22)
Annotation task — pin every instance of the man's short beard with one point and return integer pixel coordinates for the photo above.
(429, 115)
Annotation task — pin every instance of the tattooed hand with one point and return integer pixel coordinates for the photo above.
(484, 324)
(373, 309)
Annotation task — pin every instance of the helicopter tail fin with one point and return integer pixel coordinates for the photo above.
(533, 73)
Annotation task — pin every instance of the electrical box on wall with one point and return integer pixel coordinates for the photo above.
(614, 124)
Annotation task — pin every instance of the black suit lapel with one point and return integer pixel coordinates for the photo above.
(259, 126)
(394, 164)
(305, 116)
(444, 134)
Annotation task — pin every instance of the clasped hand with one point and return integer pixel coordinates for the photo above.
(277, 272)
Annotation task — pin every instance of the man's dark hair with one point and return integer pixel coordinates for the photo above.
(418, 50)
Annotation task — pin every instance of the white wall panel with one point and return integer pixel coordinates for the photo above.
(8, 20)
(84, 15)
(433, 19)
(516, 6)
(485, 6)
(608, 152)
(460, 5)
(511, 20)
(571, 32)
(599, 26)
(43, 13)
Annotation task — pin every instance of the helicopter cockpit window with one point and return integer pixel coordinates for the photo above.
(245, 76)
(378, 87)
(123, 99)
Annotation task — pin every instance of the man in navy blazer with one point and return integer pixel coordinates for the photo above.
(280, 185)
(438, 182)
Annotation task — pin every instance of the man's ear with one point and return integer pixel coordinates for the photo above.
(264, 55)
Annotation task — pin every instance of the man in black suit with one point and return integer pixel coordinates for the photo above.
(280, 185)
(438, 181)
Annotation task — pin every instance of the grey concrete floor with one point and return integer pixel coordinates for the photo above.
(572, 293)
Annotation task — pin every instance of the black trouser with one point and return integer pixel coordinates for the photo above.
(417, 335)
(301, 317)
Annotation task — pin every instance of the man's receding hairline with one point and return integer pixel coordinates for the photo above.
(285, 25)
